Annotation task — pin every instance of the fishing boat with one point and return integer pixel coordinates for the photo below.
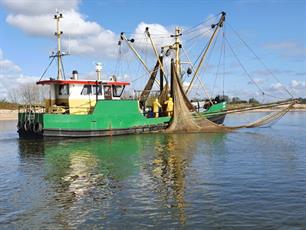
(90, 108)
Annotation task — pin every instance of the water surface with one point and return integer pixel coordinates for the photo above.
(248, 179)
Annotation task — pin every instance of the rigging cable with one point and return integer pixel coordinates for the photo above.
(223, 78)
(47, 68)
(118, 61)
(200, 80)
(192, 39)
(209, 55)
(218, 66)
(247, 73)
(193, 28)
(256, 56)
(242, 66)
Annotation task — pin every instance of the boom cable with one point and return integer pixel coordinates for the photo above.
(247, 73)
(194, 28)
(257, 57)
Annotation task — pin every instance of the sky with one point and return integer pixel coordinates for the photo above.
(274, 30)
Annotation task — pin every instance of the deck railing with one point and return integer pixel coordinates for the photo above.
(55, 109)
(31, 109)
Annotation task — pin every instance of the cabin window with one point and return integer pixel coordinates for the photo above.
(118, 90)
(86, 90)
(97, 89)
(108, 92)
(63, 90)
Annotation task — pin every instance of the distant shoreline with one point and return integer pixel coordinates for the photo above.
(7, 115)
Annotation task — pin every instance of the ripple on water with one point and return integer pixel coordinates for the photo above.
(248, 179)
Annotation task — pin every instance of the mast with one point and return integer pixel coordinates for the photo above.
(58, 34)
(177, 46)
(175, 64)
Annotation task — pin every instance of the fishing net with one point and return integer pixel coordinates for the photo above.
(186, 119)
(164, 94)
(146, 92)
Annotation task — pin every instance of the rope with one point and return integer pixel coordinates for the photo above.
(199, 35)
(217, 72)
(223, 78)
(270, 118)
(256, 56)
(189, 30)
(242, 66)
(265, 106)
(201, 82)
(143, 76)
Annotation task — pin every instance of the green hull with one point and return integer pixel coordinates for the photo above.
(109, 117)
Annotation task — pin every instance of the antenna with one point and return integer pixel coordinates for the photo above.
(58, 34)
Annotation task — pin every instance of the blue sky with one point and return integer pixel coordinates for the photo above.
(275, 30)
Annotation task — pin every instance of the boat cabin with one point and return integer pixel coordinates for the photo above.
(80, 96)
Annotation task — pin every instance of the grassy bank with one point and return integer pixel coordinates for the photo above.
(8, 105)
(8, 110)
(296, 107)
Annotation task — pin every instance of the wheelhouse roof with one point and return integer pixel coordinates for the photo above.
(81, 82)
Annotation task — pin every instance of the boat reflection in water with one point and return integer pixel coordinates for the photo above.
(137, 175)
(173, 155)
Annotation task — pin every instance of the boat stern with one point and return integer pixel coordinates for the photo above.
(30, 121)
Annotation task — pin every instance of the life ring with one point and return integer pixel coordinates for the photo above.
(37, 127)
(27, 125)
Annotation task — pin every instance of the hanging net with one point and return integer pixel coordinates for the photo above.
(146, 92)
(186, 119)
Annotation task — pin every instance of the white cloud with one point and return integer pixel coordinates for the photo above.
(160, 35)
(298, 88)
(7, 66)
(81, 36)
(38, 7)
(8, 83)
(73, 24)
(202, 30)
(288, 49)
(256, 81)
(102, 44)
(276, 86)
(11, 76)
(298, 85)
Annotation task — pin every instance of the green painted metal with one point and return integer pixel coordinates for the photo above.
(107, 115)
(216, 108)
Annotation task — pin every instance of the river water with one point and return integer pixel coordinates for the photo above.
(247, 179)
